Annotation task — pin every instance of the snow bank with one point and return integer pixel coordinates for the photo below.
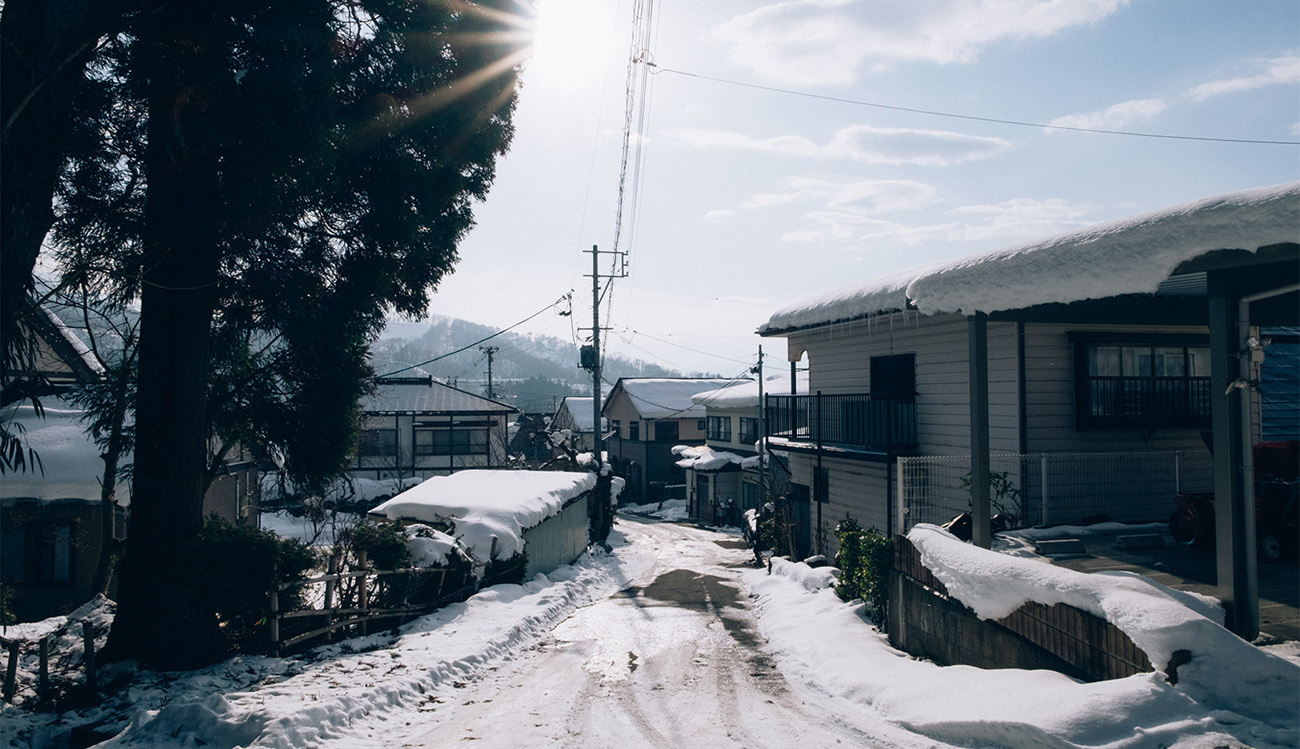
(483, 505)
(827, 651)
(812, 579)
(1131, 256)
(1225, 671)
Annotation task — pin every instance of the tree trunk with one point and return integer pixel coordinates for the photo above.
(44, 48)
(160, 620)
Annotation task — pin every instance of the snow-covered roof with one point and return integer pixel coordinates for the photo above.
(481, 505)
(580, 411)
(1130, 256)
(69, 457)
(667, 397)
(745, 394)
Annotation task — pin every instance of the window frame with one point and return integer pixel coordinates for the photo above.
(748, 426)
(1140, 400)
(718, 428)
(364, 450)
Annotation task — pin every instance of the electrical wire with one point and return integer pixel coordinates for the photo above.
(975, 118)
(552, 305)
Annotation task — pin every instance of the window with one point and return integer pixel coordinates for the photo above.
(1142, 384)
(750, 495)
(451, 441)
(748, 430)
(38, 554)
(719, 428)
(634, 430)
(666, 431)
(701, 425)
(377, 443)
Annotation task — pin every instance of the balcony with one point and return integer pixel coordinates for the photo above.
(859, 421)
(1145, 402)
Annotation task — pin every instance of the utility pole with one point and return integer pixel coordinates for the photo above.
(491, 351)
(601, 516)
(762, 434)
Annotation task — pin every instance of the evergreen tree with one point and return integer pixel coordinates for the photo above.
(274, 176)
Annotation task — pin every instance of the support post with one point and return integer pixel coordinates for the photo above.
(11, 672)
(981, 534)
(88, 643)
(43, 670)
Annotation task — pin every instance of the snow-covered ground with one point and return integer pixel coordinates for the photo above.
(825, 651)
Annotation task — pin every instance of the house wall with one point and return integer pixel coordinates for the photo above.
(406, 464)
(839, 362)
(29, 525)
(856, 488)
(735, 415)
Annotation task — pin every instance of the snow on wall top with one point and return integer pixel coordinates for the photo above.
(483, 504)
(1129, 256)
(1160, 620)
(745, 394)
(669, 397)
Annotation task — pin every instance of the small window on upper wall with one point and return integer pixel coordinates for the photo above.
(1142, 384)
(719, 428)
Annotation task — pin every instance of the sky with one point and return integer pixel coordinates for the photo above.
(762, 173)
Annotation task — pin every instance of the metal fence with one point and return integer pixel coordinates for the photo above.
(872, 422)
(1045, 488)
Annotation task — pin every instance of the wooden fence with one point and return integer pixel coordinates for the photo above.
(1091, 646)
(44, 687)
(361, 614)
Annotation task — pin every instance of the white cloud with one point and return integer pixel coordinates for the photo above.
(850, 198)
(862, 143)
(830, 42)
(1265, 72)
(1017, 219)
(1114, 117)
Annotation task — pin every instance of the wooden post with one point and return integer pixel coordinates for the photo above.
(88, 638)
(11, 672)
(332, 569)
(981, 534)
(363, 592)
(43, 670)
(275, 615)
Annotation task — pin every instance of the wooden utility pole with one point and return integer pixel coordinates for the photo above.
(491, 351)
(601, 515)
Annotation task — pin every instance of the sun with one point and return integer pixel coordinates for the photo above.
(571, 42)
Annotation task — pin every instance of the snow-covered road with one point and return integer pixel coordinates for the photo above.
(671, 660)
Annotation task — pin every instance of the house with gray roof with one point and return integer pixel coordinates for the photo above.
(419, 427)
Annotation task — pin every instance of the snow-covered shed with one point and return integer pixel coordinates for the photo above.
(1129, 337)
(496, 514)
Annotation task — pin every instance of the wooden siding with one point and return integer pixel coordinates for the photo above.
(840, 362)
(1050, 404)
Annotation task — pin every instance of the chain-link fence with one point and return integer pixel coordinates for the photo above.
(1048, 488)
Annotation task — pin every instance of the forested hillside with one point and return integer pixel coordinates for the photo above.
(529, 372)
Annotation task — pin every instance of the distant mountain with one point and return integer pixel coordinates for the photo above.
(530, 372)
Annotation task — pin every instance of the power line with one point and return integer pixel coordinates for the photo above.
(975, 118)
(481, 340)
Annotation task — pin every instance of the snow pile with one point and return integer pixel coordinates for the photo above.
(70, 466)
(1225, 672)
(483, 506)
(704, 458)
(825, 648)
(812, 579)
(1131, 256)
(668, 398)
(430, 547)
(672, 510)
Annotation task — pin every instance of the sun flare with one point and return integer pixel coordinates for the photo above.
(570, 41)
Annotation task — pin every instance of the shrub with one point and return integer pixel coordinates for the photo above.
(866, 558)
(235, 568)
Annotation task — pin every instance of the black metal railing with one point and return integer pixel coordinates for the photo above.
(858, 420)
(1147, 401)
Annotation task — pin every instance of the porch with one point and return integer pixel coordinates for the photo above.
(855, 421)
